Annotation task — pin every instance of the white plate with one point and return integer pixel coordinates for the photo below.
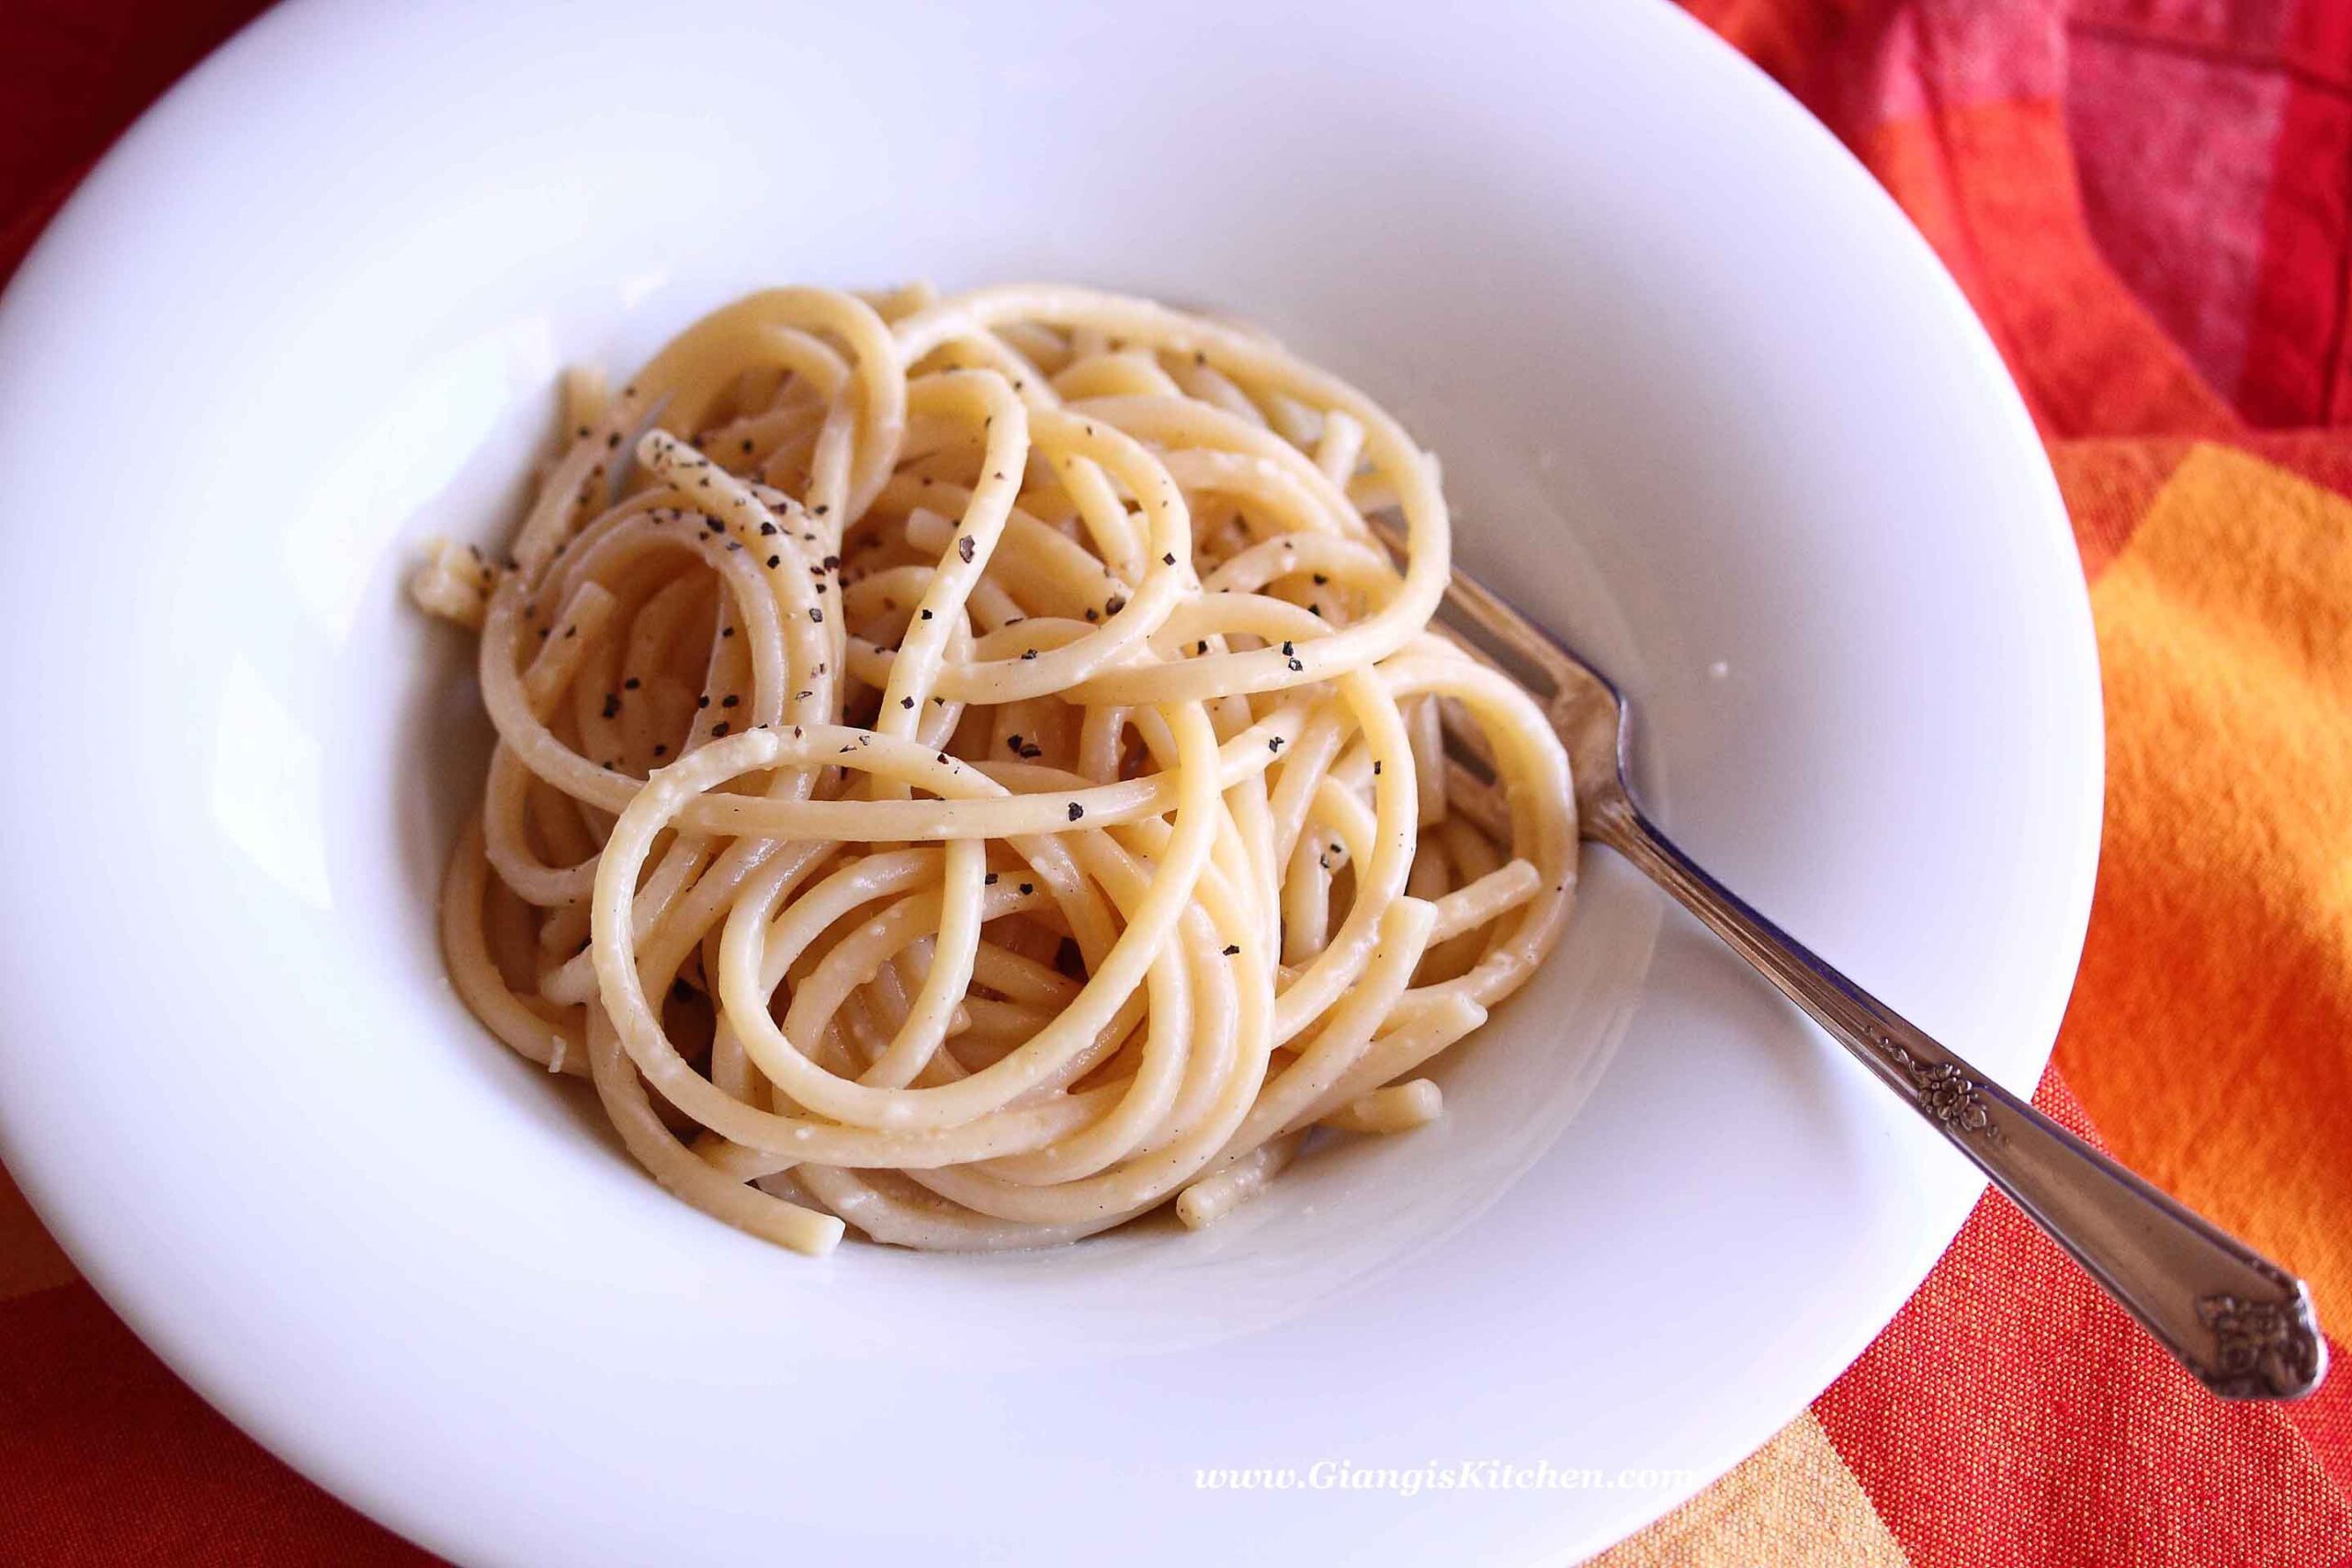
(1704, 399)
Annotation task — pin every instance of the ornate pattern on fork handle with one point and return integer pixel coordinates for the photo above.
(1946, 1093)
(2263, 1349)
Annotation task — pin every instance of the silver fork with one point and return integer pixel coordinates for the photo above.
(2241, 1323)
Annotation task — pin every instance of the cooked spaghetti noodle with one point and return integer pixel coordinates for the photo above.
(965, 768)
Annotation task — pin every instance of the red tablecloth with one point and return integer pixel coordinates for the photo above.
(2149, 202)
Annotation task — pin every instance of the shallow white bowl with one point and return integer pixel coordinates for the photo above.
(1704, 401)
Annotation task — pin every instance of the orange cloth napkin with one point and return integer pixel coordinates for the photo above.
(2147, 202)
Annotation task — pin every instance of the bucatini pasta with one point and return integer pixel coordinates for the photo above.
(966, 768)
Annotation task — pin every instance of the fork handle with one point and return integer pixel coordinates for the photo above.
(2241, 1323)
